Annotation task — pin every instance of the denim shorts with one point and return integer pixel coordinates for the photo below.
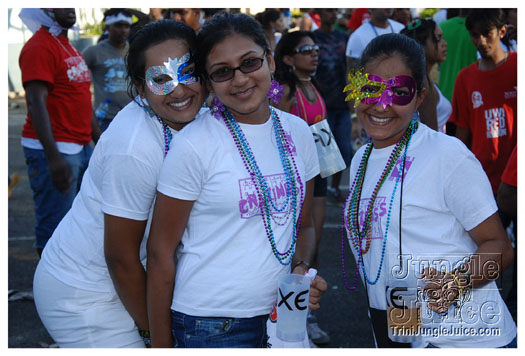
(210, 332)
(341, 126)
(50, 204)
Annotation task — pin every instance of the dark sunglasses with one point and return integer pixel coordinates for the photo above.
(307, 49)
(226, 73)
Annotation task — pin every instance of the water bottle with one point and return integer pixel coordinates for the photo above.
(103, 109)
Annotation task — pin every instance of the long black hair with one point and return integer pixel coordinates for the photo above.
(147, 37)
(410, 51)
(284, 73)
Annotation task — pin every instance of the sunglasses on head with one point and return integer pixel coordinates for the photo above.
(307, 49)
(226, 73)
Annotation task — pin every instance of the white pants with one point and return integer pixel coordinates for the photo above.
(79, 318)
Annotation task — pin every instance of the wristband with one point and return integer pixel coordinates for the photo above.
(457, 282)
(302, 263)
(464, 271)
(144, 334)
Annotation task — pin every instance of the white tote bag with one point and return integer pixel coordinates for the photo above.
(330, 159)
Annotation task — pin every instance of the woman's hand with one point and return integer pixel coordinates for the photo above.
(442, 290)
(317, 288)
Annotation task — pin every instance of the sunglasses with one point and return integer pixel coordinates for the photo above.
(226, 73)
(307, 49)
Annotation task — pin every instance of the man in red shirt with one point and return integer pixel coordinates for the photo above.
(58, 128)
(485, 102)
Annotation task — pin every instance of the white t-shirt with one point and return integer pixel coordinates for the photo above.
(445, 194)
(225, 262)
(121, 180)
(365, 33)
(443, 110)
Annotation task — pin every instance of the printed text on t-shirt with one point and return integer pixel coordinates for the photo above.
(496, 122)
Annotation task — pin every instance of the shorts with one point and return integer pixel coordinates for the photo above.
(80, 318)
(320, 186)
(211, 332)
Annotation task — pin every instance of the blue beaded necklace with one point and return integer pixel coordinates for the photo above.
(165, 128)
(167, 135)
(351, 224)
(292, 177)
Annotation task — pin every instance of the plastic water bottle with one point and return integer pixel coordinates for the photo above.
(102, 109)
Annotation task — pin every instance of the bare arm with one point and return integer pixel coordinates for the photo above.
(508, 199)
(427, 109)
(170, 217)
(122, 239)
(494, 252)
(464, 135)
(36, 93)
(493, 255)
(96, 131)
(305, 249)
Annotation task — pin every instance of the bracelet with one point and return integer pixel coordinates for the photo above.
(302, 263)
(464, 271)
(144, 334)
(457, 282)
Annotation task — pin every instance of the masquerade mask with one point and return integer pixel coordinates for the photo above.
(162, 80)
(371, 89)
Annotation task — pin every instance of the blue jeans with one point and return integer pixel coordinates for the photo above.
(50, 204)
(206, 332)
(341, 126)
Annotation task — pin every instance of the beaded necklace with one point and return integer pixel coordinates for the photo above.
(259, 181)
(165, 128)
(167, 135)
(351, 218)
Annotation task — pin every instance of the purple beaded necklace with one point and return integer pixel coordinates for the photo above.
(351, 210)
(293, 180)
(167, 135)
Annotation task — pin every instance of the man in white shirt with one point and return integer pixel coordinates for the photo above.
(379, 24)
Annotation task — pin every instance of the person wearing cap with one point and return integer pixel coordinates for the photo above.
(105, 60)
(58, 129)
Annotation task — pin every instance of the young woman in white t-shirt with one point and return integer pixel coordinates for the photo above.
(421, 209)
(238, 209)
(90, 285)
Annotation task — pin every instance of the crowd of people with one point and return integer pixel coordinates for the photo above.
(168, 206)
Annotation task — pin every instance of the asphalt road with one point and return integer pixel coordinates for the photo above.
(343, 313)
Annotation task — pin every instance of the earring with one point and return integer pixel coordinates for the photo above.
(276, 91)
(145, 106)
(217, 108)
